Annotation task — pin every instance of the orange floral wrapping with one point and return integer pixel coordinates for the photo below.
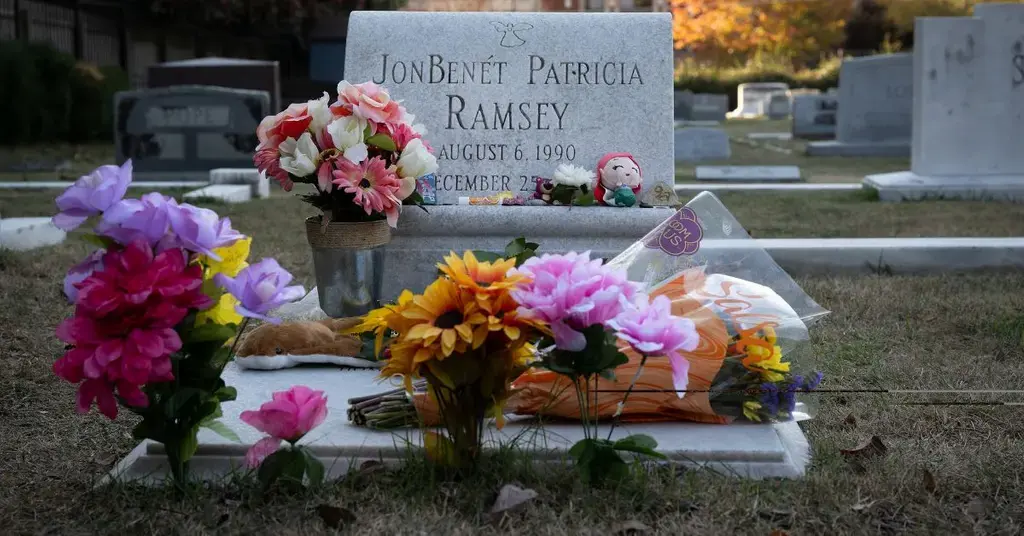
(542, 392)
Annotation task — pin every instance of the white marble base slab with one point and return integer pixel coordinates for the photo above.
(745, 450)
(23, 234)
(247, 176)
(748, 173)
(909, 186)
(226, 193)
(283, 361)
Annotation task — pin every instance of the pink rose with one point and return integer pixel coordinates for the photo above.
(289, 416)
(371, 102)
(290, 123)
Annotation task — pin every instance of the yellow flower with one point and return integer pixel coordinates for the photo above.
(444, 318)
(750, 409)
(232, 259)
(483, 279)
(223, 312)
(381, 319)
(766, 362)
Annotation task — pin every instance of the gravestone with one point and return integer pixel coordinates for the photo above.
(752, 98)
(875, 119)
(682, 104)
(968, 109)
(236, 73)
(696, 144)
(748, 173)
(509, 96)
(259, 185)
(181, 133)
(814, 116)
(778, 106)
(701, 107)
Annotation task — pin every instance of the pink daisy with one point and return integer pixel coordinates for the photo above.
(374, 185)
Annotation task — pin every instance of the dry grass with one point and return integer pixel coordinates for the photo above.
(37, 162)
(960, 332)
(746, 152)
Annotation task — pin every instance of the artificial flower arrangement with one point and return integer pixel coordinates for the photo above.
(287, 418)
(156, 308)
(691, 343)
(362, 153)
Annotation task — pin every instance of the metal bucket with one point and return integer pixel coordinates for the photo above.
(348, 261)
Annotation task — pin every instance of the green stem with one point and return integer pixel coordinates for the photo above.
(238, 337)
(625, 397)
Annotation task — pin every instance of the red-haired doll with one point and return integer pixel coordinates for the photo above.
(618, 180)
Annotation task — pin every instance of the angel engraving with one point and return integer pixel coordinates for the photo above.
(510, 33)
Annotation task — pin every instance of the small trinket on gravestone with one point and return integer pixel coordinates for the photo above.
(543, 190)
(661, 195)
(618, 180)
(425, 185)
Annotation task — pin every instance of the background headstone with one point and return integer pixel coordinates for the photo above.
(876, 93)
(706, 107)
(682, 104)
(237, 73)
(181, 133)
(517, 94)
(696, 144)
(814, 116)
(778, 105)
(752, 98)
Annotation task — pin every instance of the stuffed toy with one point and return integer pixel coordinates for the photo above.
(618, 180)
(278, 346)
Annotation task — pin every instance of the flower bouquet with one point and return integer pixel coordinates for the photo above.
(157, 307)
(362, 154)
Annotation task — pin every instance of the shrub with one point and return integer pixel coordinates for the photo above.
(715, 79)
(46, 96)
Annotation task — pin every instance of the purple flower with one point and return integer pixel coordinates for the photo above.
(787, 398)
(92, 194)
(260, 288)
(652, 329)
(571, 292)
(80, 272)
(770, 398)
(132, 219)
(201, 230)
(814, 381)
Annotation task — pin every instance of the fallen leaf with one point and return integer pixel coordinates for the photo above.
(778, 532)
(511, 497)
(866, 449)
(928, 479)
(862, 506)
(850, 420)
(978, 507)
(335, 517)
(222, 520)
(630, 528)
(783, 518)
(104, 459)
(370, 467)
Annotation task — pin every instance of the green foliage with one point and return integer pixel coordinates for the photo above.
(725, 80)
(47, 97)
(600, 356)
(599, 460)
(289, 466)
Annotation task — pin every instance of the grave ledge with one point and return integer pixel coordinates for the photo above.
(840, 148)
(909, 186)
(24, 234)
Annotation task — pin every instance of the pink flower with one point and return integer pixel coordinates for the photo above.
(374, 186)
(290, 123)
(289, 416)
(80, 272)
(370, 101)
(652, 330)
(402, 133)
(268, 160)
(571, 292)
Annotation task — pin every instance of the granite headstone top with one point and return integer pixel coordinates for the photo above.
(875, 118)
(752, 98)
(814, 116)
(748, 173)
(778, 105)
(697, 144)
(238, 73)
(509, 96)
(701, 106)
(181, 133)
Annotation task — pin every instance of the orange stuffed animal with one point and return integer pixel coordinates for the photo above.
(277, 346)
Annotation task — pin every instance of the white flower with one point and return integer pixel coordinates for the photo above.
(408, 186)
(416, 161)
(571, 175)
(300, 157)
(320, 111)
(347, 135)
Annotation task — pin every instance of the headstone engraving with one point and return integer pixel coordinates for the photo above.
(661, 195)
(752, 98)
(181, 133)
(516, 94)
(876, 93)
(696, 144)
(814, 116)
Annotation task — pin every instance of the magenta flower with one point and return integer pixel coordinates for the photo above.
(261, 288)
(80, 272)
(200, 230)
(289, 416)
(653, 330)
(131, 219)
(571, 292)
(92, 194)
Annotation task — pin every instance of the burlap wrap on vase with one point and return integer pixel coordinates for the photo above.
(348, 260)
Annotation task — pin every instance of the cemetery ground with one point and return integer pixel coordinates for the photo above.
(944, 469)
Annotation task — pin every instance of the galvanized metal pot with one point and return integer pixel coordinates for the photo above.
(348, 260)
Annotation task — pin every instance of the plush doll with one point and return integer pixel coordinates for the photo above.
(277, 346)
(618, 180)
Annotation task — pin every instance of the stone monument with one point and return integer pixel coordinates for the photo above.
(697, 144)
(814, 116)
(752, 98)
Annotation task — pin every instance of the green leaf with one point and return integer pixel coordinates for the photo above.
(226, 393)
(382, 141)
(515, 247)
(487, 256)
(212, 333)
(222, 430)
(273, 467)
(98, 240)
(585, 200)
(314, 468)
(174, 405)
(640, 444)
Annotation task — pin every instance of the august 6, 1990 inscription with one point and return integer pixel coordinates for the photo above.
(509, 96)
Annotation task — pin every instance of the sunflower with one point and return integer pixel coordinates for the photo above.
(443, 318)
(502, 317)
(483, 279)
(381, 320)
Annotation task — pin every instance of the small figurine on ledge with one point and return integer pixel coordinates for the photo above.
(618, 180)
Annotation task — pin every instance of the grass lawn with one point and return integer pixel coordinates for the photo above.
(21, 163)
(747, 152)
(948, 469)
(763, 214)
